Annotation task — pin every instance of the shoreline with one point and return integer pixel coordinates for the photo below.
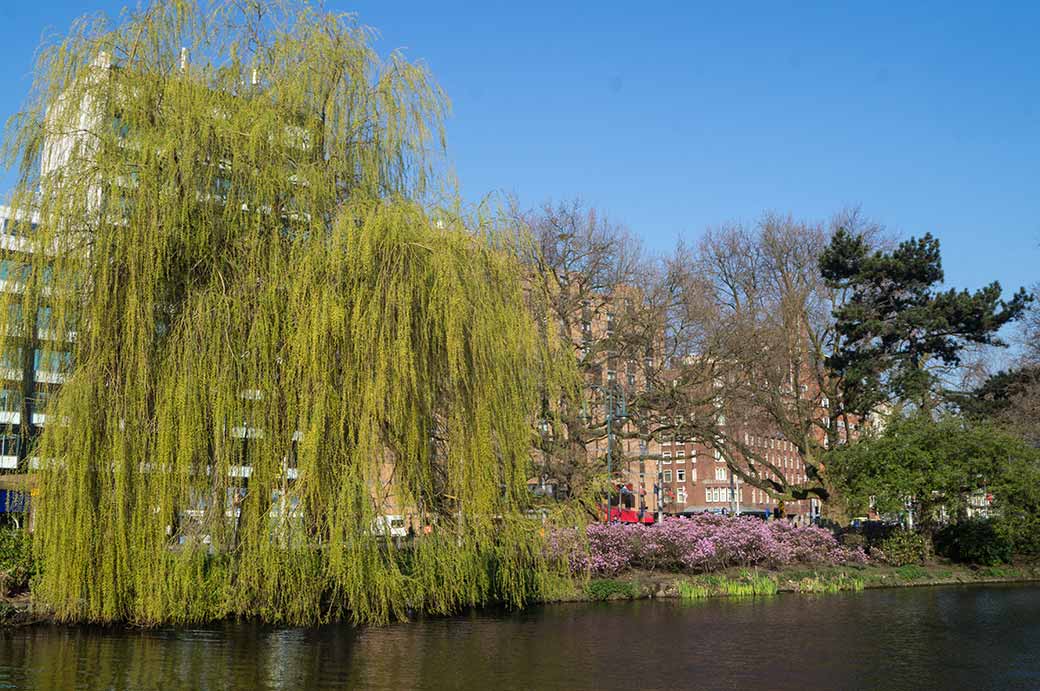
(18, 611)
(752, 582)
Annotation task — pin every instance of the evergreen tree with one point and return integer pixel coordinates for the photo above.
(897, 325)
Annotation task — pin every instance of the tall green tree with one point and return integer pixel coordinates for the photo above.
(266, 339)
(898, 327)
(929, 464)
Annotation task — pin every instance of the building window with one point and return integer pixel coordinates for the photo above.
(720, 474)
(667, 476)
(51, 361)
(12, 359)
(718, 455)
(9, 445)
(680, 453)
(41, 398)
(10, 400)
(680, 475)
(680, 495)
(11, 270)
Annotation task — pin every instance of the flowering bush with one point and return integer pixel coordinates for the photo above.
(702, 543)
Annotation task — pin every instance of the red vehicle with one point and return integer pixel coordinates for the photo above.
(630, 516)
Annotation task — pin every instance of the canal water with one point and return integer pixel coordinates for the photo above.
(918, 638)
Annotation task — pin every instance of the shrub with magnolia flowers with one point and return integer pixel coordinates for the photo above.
(701, 543)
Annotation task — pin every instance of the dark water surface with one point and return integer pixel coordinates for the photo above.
(918, 638)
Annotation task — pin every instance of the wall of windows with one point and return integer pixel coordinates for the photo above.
(715, 495)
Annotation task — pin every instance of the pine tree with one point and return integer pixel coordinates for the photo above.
(897, 325)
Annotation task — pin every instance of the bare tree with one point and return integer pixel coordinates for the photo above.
(722, 343)
(767, 332)
(586, 267)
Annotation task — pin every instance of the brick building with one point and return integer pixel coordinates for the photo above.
(676, 476)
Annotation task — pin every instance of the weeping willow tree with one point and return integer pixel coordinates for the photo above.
(265, 338)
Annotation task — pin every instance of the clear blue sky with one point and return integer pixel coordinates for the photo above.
(670, 117)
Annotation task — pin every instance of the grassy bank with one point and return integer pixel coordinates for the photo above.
(763, 583)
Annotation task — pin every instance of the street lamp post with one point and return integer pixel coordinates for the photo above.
(610, 453)
(616, 410)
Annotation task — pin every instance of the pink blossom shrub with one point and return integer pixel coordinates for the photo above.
(701, 543)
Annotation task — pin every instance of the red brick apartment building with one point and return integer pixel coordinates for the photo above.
(676, 476)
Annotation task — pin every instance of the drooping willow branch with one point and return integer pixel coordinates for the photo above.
(266, 342)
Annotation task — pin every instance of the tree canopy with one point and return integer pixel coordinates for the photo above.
(933, 463)
(897, 324)
(266, 339)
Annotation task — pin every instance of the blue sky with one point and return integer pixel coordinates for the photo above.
(670, 117)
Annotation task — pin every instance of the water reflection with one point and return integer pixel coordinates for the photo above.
(970, 637)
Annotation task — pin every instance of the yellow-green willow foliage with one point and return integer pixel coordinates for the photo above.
(269, 341)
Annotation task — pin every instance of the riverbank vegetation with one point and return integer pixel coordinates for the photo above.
(743, 583)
